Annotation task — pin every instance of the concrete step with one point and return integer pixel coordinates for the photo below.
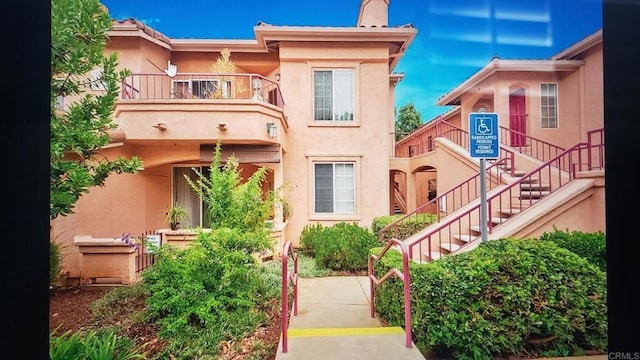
(377, 343)
(450, 247)
(533, 194)
(510, 212)
(435, 255)
(534, 186)
(464, 237)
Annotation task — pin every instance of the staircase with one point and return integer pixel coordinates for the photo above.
(506, 199)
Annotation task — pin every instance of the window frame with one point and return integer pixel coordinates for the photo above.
(545, 120)
(355, 160)
(353, 94)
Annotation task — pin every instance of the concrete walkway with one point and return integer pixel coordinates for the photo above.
(334, 322)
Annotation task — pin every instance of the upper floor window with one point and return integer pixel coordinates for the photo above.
(333, 95)
(549, 106)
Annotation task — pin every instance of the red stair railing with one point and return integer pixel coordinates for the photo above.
(286, 276)
(577, 158)
(404, 277)
(446, 203)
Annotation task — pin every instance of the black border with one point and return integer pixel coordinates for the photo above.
(621, 48)
(25, 64)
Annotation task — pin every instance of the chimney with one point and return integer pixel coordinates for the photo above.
(373, 13)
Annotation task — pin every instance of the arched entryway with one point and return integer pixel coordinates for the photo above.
(425, 182)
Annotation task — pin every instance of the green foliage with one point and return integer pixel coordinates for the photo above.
(307, 268)
(591, 246)
(78, 38)
(408, 120)
(311, 234)
(92, 345)
(344, 246)
(118, 299)
(230, 202)
(407, 227)
(176, 214)
(207, 292)
(55, 262)
(506, 297)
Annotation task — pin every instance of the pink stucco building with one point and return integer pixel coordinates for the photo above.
(315, 105)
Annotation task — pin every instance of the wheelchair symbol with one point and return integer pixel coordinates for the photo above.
(481, 127)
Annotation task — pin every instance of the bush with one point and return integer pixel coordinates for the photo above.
(208, 292)
(506, 297)
(309, 237)
(344, 246)
(405, 228)
(591, 246)
(55, 263)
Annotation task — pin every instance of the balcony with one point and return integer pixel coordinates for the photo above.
(201, 107)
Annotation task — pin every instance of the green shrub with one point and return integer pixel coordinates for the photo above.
(117, 300)
(344, 246)
(55, 263)
(406, 227)
(506, 297)
(591, 246)
(309, 237)
(92, 345)
(207, 292)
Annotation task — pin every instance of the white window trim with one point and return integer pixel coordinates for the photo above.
(326, 159)
(96, 82)
(557, 106)
(355, 67)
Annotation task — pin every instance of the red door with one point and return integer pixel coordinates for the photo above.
(517, 118)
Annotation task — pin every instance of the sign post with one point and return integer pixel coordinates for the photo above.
(484, 143)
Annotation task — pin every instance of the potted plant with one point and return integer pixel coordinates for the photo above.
(175, 215)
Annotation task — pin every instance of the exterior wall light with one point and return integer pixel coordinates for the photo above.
(272, 130)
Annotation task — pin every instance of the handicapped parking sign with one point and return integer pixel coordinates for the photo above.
(484, 135)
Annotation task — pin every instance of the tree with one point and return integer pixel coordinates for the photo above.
(408, 120)
(82, 73)
(230, 202)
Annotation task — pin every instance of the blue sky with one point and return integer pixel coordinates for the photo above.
(456, 38)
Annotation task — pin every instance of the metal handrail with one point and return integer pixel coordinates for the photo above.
(569, 156)
(537, 146)
(285, 290)
(404, 277)
(203, 86)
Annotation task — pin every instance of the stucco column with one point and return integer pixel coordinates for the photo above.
(411, 190)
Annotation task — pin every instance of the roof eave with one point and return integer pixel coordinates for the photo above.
(498, 65)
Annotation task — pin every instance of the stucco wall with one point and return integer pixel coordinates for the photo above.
(364, 141)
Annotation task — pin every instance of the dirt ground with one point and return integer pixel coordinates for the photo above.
(69, 309)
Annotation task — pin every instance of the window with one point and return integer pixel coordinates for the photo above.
(549, 106)
(60, 102)
(334, 188)
(96, 82)
(333, 95)
(431, 189)
(184, 195)
(201, 89)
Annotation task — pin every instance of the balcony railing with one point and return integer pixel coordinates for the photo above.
(204, 86)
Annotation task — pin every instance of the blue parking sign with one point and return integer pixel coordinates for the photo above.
(484, 135)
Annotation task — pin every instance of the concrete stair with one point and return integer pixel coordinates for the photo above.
(334, 322)
(530, 191)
